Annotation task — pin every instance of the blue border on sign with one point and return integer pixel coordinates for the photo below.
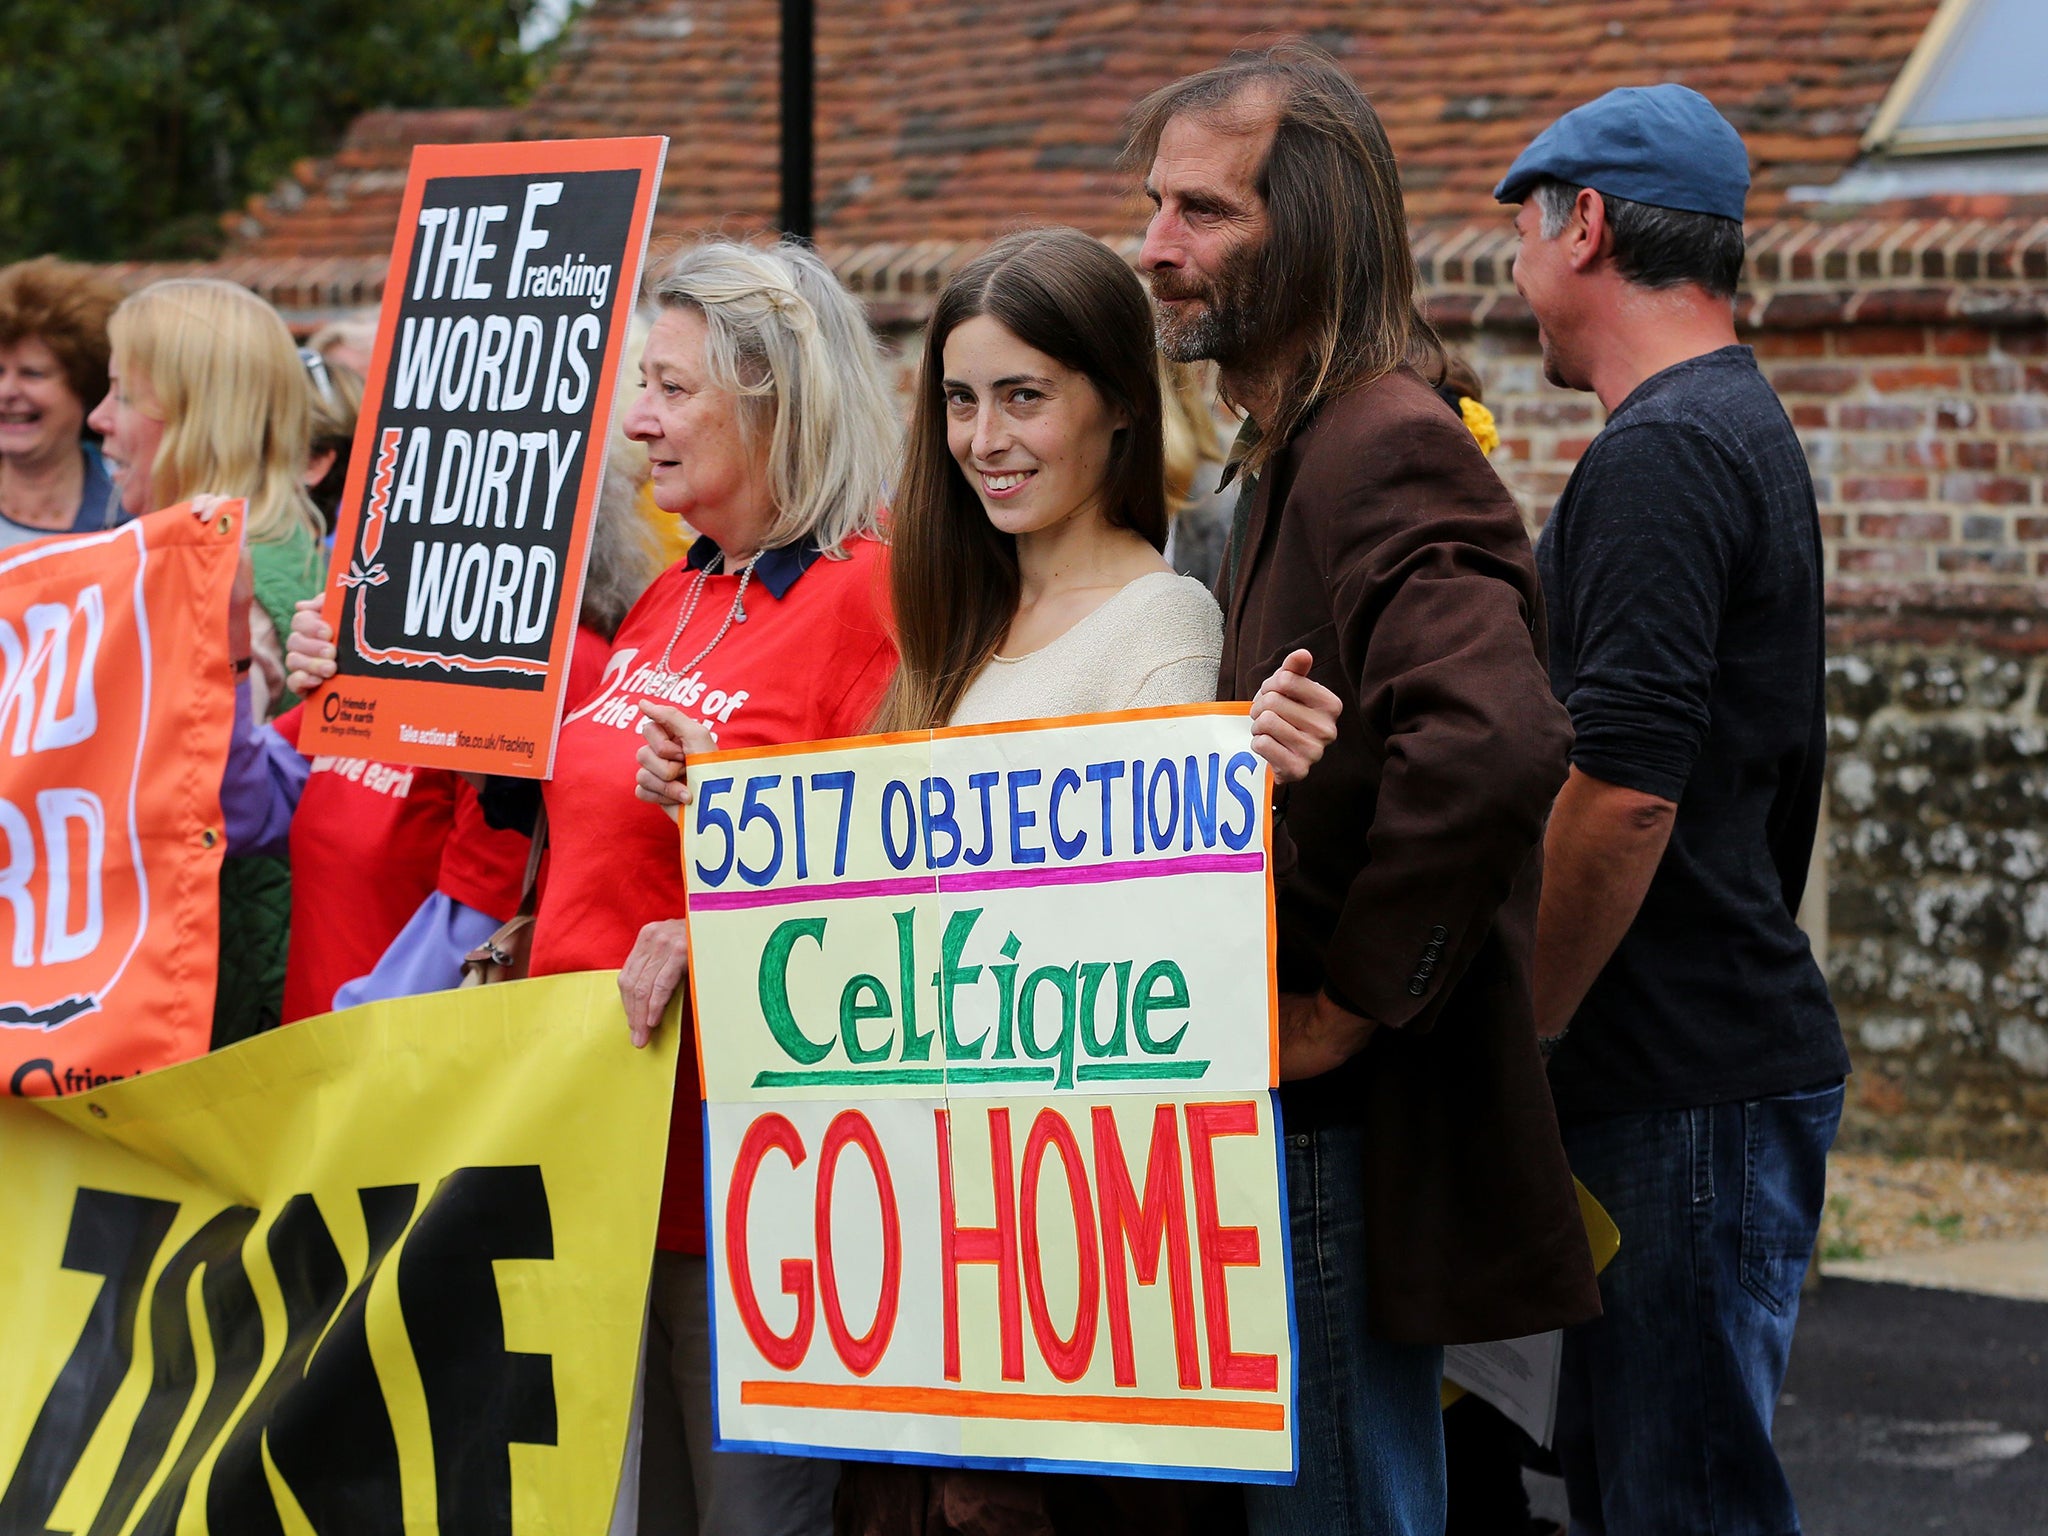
(712, 1278)
(1010, 1463)
(1293, 1335)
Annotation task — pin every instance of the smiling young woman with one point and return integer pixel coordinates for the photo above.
(1027, 582)
(1026, 573)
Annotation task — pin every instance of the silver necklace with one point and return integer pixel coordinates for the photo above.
(737, 614)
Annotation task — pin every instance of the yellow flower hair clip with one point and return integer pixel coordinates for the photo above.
(1479, 422)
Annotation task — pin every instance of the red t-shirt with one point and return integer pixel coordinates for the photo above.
(366, 850)
(371, 841)
(809, 663)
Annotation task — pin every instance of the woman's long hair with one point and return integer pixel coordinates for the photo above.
(953, 574)
(236, 403)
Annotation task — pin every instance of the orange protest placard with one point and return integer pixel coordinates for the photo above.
(459, 554)
(116, 694)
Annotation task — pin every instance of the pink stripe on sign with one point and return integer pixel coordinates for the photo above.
(1092, 874)
(845, 890)
(990, 880)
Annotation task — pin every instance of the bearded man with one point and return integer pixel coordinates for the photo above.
(1429, 1202)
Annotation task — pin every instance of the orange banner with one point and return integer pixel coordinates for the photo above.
(116, 693)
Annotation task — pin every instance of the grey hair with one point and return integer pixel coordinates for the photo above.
(1655, 247)
(624, 555)
(783, 335)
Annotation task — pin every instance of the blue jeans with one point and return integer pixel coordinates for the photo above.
(1370, 1431)
(1664, 1411)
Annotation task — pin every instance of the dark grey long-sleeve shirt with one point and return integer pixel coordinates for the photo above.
(1682, 573)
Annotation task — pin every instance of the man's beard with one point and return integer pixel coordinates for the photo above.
(1224, 327)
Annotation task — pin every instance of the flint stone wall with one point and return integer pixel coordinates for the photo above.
(1938, 881)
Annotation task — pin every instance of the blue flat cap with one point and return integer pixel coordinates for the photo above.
(1657, 144)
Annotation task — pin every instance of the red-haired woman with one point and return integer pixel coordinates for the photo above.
(53, 370)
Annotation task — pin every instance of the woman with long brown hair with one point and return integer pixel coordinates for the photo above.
(1027, 582)
(1026, 574)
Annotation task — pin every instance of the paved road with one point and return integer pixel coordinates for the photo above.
(1910, 1411)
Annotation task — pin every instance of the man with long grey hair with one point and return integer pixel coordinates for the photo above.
(1428, 1196)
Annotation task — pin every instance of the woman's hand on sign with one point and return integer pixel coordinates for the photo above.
(1293, 719)
(651, 974)
(668, 738)
(201, 506)
(309, 650)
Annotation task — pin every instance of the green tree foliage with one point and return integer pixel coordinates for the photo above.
(128, 126)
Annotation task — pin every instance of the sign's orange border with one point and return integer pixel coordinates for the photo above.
(452, 705)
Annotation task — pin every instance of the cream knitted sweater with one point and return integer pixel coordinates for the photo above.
(1158, 641)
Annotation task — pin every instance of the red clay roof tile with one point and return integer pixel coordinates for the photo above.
(953, 119)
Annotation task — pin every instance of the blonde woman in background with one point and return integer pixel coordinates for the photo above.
(207, 396)
(1199, 531)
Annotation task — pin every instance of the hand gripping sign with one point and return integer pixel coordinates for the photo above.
(116, 695)
(480, 452)
(986, 1020)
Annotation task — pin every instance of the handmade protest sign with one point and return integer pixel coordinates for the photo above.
(252, 1294)
(116, 697)
(986, 1023)
(465, 523)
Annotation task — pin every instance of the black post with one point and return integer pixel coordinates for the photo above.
(798, 70)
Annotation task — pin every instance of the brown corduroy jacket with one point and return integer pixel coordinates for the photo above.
(1381, 540)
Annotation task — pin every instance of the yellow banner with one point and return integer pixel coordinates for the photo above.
(382, 1270)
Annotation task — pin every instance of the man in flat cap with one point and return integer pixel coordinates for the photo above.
(1699, 1073)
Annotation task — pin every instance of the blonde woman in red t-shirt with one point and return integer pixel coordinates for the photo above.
(768, 429)
(1027, 582)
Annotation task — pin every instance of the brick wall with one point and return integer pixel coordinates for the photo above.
(1929, 449)
(1929, 443)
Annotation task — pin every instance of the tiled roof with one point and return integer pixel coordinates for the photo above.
(346, 206)
(941, 122)
(949, 120)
